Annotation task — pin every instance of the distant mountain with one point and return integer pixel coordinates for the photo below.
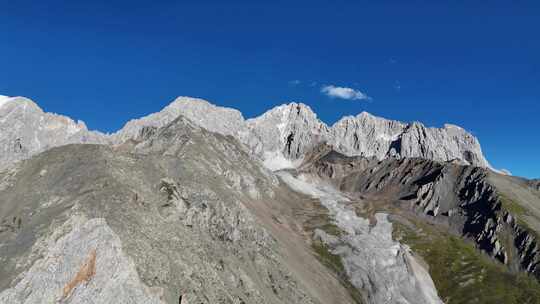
(283, 134)
(280, 137)
(26, 130)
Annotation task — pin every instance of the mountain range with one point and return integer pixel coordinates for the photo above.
(280, 136)
(195, 204)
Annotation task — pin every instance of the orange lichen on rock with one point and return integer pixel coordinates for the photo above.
(85, 274)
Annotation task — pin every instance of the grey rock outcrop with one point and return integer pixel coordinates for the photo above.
(103, 274)
(26, 130)
(222, 120)
(365, 135)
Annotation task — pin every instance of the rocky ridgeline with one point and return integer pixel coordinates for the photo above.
(287, 132)
(184, 217)
(462, 198)
(280, 137)
(26, 130)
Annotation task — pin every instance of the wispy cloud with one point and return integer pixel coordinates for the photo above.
(397, 85)
(295, 82)
(344, 93)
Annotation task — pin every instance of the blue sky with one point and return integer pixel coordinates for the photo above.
(471, 63)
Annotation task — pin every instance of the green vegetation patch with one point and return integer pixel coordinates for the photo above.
(322, 220)
(511, 206)
(328, 259)
(462, 274)
(518, 212)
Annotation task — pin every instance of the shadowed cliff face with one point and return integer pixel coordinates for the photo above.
(182, 212)
(498, 213)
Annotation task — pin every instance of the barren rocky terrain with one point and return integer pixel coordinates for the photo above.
(195, 204)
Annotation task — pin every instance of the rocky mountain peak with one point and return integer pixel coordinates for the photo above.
(214, 118)
(19, 103)
(28, 130)
(365, 115)
(287, 113)
(280, 137)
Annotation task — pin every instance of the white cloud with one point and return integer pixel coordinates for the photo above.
(344, 93)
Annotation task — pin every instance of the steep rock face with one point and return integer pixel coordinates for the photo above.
(184, 216)
(286, 132)
(366, 135)
(497, 212)
(294, 129)
(26, 130)
(445, 144)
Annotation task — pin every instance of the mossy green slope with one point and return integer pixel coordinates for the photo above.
(462, 274)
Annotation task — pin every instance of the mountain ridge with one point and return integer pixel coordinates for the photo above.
(185, 196)
(280, 137)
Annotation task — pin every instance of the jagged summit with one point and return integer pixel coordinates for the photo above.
(25, 130)
(18, 101)
(280, 137)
